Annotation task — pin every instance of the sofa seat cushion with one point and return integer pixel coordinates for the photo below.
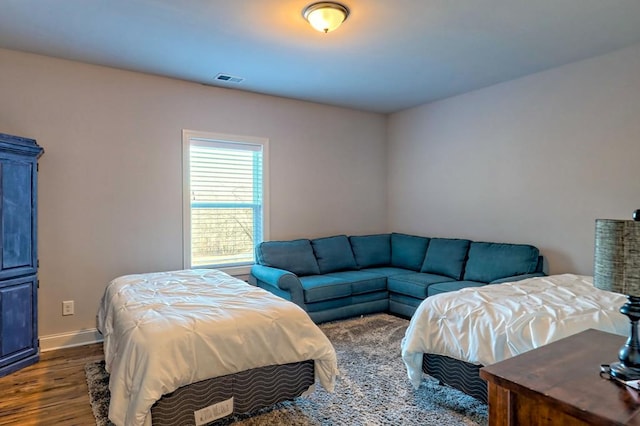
(317, 288)
(371, 250)
(408, 251)
(452, 286)
(295, 256)
(387, 271)
(334, 254)
(362, 281)
(491, 261)
(414, 284)
(445, 256)
(517, 278)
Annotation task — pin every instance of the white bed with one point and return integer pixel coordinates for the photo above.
(165, 330)
(484, 325)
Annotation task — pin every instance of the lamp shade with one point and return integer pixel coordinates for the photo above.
(617, 256)
(325, 16)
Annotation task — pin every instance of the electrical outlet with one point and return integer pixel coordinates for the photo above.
(67, 307)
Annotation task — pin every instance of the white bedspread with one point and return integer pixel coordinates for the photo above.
(169, 329)
(488, 324)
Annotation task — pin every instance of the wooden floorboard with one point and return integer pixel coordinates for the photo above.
(50, 392)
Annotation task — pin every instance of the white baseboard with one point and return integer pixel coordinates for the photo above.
(70, 339)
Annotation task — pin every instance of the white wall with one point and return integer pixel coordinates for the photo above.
(534, 160)
(110, 193)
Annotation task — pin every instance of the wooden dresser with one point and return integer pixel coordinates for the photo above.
(19, 345)
(559, 384)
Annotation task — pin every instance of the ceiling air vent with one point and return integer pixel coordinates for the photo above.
(228, 78)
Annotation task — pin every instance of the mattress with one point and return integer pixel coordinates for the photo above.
(165, 330)
(484, 325)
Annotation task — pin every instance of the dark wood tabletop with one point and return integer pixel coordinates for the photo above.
(564, 377)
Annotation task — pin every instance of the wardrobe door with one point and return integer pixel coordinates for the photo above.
(18, 216)
(18, 331)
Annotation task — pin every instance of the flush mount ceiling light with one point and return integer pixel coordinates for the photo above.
(325, 16)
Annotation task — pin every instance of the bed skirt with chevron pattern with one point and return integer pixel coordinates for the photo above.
(251, 390)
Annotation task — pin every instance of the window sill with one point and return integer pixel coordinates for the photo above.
(235, 271)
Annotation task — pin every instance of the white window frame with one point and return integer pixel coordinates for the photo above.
(187, 137)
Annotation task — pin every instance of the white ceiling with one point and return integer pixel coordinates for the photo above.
(389, 55)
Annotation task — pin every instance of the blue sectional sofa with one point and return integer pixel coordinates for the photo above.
(338, 277)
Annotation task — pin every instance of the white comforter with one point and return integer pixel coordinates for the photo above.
(168, 329)
(488, 324)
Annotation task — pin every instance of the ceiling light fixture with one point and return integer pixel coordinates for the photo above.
(325, 16)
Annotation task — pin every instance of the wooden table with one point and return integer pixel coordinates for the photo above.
(559, 384)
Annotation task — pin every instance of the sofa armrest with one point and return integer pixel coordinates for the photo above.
(280, 281)
(518, 277)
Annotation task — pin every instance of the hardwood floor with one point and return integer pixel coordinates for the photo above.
(50, 392)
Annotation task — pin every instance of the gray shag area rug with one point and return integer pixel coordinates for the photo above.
(373, 387)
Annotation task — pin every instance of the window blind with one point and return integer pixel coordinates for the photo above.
(226, 200)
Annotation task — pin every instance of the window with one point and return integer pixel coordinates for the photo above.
(224, 199)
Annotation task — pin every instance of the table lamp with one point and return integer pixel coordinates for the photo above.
(617, 269)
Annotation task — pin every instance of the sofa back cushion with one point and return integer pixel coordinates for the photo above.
(371, 250)
(334, 254)
(408, 251)
(446, 256)
(295, 256)
(491, 261)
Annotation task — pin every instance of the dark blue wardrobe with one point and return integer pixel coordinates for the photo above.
(19, 345)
